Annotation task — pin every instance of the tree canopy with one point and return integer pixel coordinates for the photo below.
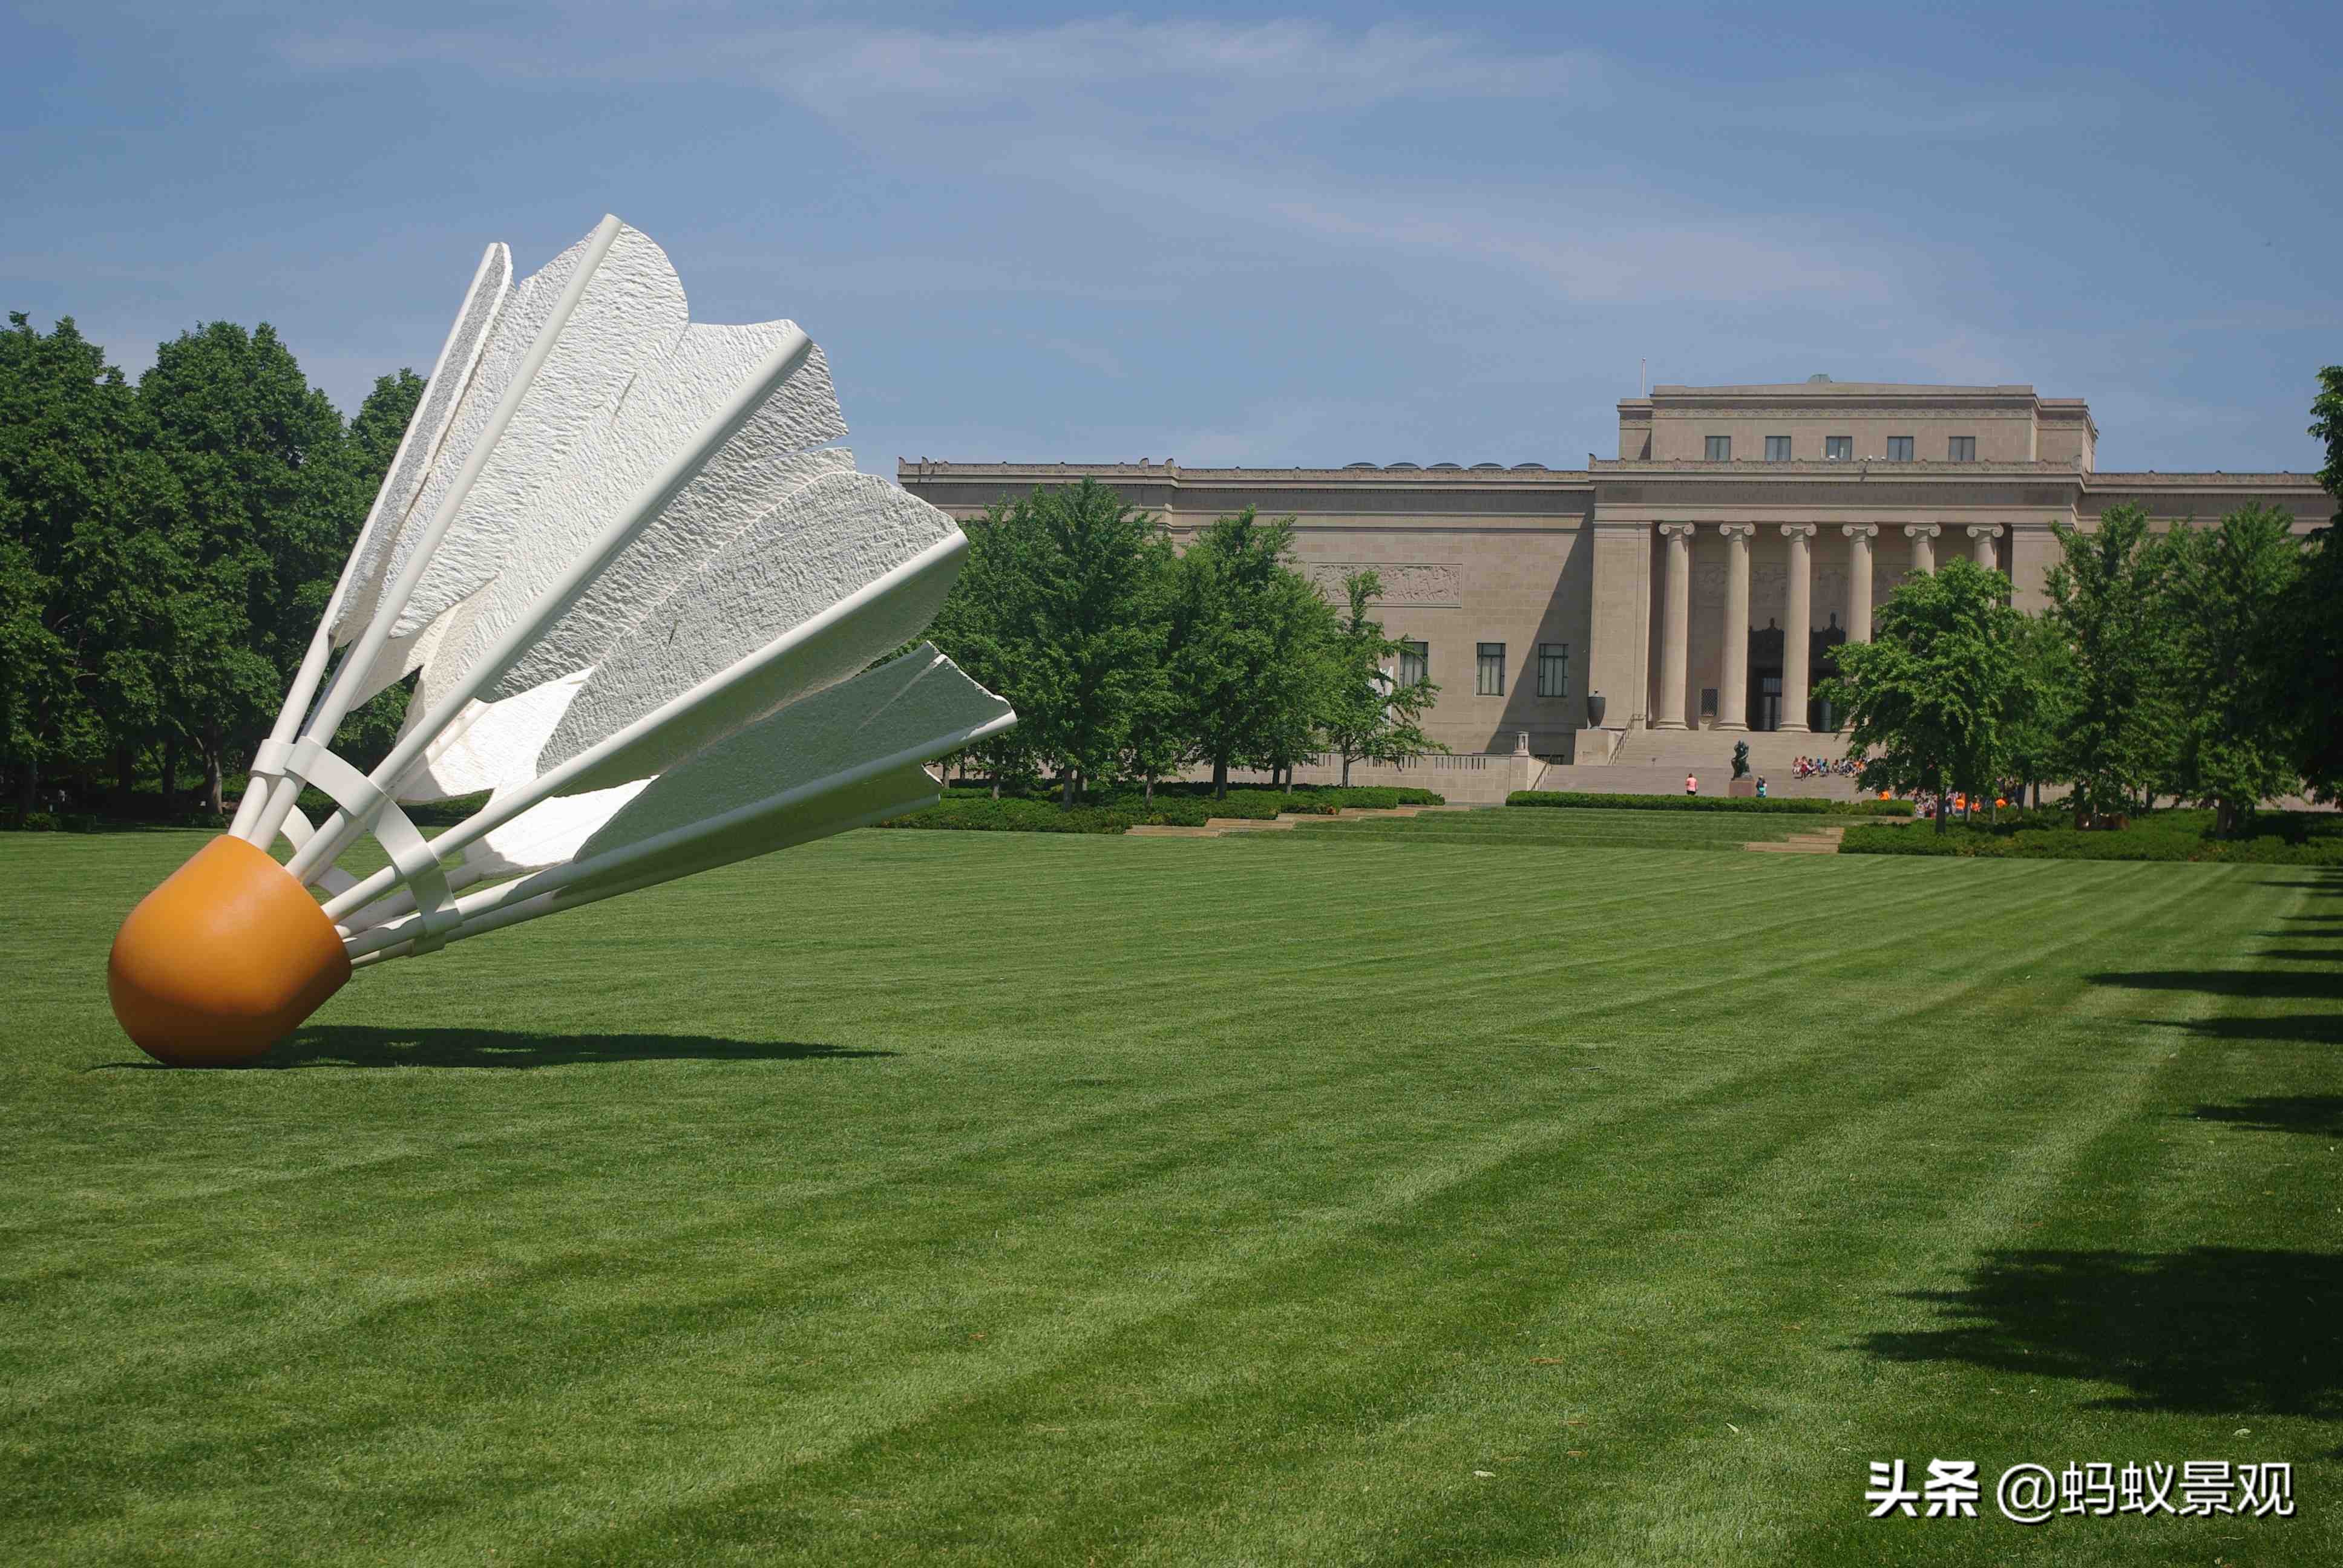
(1935, 697)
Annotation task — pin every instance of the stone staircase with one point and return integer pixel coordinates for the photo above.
(1655, 761)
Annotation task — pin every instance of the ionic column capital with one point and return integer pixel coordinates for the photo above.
(1737, 530)
(1922, 530)
(1674, 531)
(1799, 530)
(1984, 531)
(1860, 530)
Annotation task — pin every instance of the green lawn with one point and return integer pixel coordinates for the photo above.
(1333, 1196)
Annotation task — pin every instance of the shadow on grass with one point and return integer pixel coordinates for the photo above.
(2211, 1331)
(2313, 984)
(349, 1045)
(2313, 1029)
(2320, 1115)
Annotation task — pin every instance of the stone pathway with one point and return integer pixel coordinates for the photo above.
(1822, 841)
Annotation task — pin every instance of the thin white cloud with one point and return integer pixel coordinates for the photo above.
(844, 71)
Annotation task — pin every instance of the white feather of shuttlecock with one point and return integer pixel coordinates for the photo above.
(640, 594)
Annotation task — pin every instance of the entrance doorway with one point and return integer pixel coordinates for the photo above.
(1769, 703)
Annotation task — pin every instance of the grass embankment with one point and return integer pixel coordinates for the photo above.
(974, 1198)
(2269, 839)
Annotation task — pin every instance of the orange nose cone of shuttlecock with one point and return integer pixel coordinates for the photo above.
(223, 959)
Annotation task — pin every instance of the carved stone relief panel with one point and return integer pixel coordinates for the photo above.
(1422, 586)
(1708, 585)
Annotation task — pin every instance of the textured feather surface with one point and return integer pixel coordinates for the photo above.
(767, 614)
(632, 311)
(745, 480)
(658, 414)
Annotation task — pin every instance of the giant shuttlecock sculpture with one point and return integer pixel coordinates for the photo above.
(641, 595)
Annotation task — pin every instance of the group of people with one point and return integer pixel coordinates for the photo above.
(1959, 803)
(1825, 766)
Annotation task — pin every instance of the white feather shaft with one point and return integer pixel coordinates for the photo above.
(430, 422)
(666, 855)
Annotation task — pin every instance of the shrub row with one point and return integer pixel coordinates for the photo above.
(970, 809)
(1794, 806)
(2178, 836)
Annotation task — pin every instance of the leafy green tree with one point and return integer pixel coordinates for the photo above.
(1370, 716)
(2226, 591)
(82, 570)
(1247, 638)
(2107, 601)
(1062, 606)
(2309, 665)
(1932, 698)
(268, 502)
(2032, 738)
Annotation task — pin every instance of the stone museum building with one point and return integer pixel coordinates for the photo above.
(1627, 612)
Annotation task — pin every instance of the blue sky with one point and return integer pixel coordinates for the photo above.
(1237, 234)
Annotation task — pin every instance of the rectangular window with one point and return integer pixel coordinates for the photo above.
(1778, 449)
(1708, 702)
(1414, 663)
(1899, 448)
(1554, 670)
(1720, 448)
(1839, 448)
(1961, 449)
(1489, 675)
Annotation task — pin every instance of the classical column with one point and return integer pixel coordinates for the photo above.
(1981, 538)
(1924, 552)
(1858, 579)
(1795, 635)
(1676, 628)
(1733, 688)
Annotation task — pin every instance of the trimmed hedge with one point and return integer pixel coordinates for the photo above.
(2275, 838)
(968, 808)
(1791, 805)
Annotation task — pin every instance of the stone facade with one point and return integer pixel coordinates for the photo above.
(1651, 569)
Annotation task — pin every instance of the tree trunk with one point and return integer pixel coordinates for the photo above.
(1148, 795)
(170, 774)
(212, 774)
(1066, 790)
(1346, 771)
(1219, 778)
(996, 786)
(2225, 816)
